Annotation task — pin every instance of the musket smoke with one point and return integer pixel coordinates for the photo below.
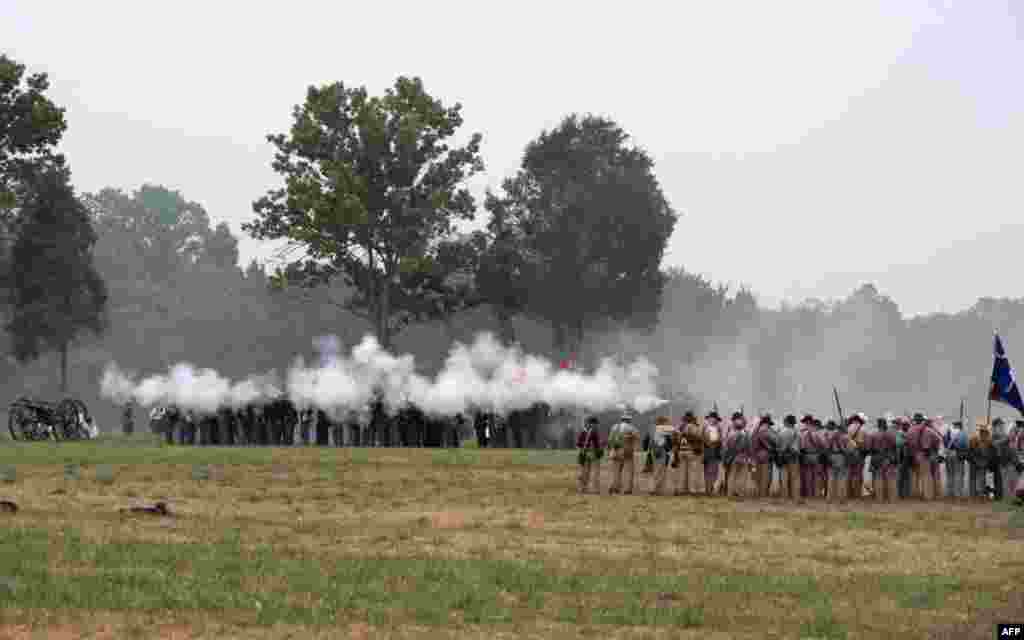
(484, 375)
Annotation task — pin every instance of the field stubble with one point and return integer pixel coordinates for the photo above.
(377, 543)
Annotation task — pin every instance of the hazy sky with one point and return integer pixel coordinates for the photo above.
(809, 146)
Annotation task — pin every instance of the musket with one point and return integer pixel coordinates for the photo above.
(839, 407)
(961, 411)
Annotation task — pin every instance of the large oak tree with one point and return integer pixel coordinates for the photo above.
(372, 191)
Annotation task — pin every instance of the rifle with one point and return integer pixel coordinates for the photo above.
(961, 411)
(835, 393)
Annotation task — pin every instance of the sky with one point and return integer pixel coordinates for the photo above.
(809, 146)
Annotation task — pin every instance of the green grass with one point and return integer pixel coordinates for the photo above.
(466, 542)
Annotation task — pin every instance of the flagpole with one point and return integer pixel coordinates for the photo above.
(988, 413)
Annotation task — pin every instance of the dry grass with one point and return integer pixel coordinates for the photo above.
(494, 543)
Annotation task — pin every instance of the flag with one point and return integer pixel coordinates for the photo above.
(567, 362)
(1004, 382)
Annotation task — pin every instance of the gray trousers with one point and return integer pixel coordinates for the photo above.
(1010, 477)
(977, 481)
(954, 476)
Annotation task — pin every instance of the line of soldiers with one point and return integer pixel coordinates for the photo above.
(280, 423)
(805, 459)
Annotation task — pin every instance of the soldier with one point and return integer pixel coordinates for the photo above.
(226, 417)
(999, 456)
(905, 459)
(128, 418)
(736, 455)
(981, 451)
(662, 447)
(764, 447)
(821, 467)
(1015, 450)
(788, 459)
(711, 437)
(809, 457)
(918, 465)
(884, 448)
(727, 432)
(838, 444)
(955, 441)
(623, 442)
(172, 420)
(689, 455)
(589, 444)
(482, 432)
(929, 444)
(855, 455)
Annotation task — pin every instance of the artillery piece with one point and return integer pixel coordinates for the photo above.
(30, 419)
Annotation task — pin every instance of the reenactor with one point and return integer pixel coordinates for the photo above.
(623, 441)
(838, 445)
(929, 445)
(905, 459)
(727, 432)
(190, 428)
(821, 443)
(763, 447)
(856, 455)
(1015, 446)
(918, 463)
(590, 453)
(737, 458)
(809, 458)
(982, 452)
(663, 448)
(711, 437)
(955, 441)
(883, 446)
(998, 457)
(482, 431)
(128, 418)
(788, 459)
(689, 453)
(226, 418)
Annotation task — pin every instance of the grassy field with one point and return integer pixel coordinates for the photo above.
(380, 543)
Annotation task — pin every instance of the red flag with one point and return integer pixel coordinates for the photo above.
(568, 363)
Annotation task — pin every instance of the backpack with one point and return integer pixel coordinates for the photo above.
(957, 440)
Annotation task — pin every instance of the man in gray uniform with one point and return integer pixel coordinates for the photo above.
(955, 441)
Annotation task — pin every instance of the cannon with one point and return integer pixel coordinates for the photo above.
(30, 419)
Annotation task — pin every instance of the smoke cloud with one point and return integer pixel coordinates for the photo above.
(485, 375)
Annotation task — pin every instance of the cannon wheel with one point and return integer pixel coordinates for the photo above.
(14, 419)
(67, 419)
(22, 423)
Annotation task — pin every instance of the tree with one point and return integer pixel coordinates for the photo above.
(221, 248)
(502, 274)
(167, 231)
(372, 189)
(56, 291)
(30, 126)
(594, 224)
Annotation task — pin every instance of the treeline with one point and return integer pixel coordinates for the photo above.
(373, 188)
